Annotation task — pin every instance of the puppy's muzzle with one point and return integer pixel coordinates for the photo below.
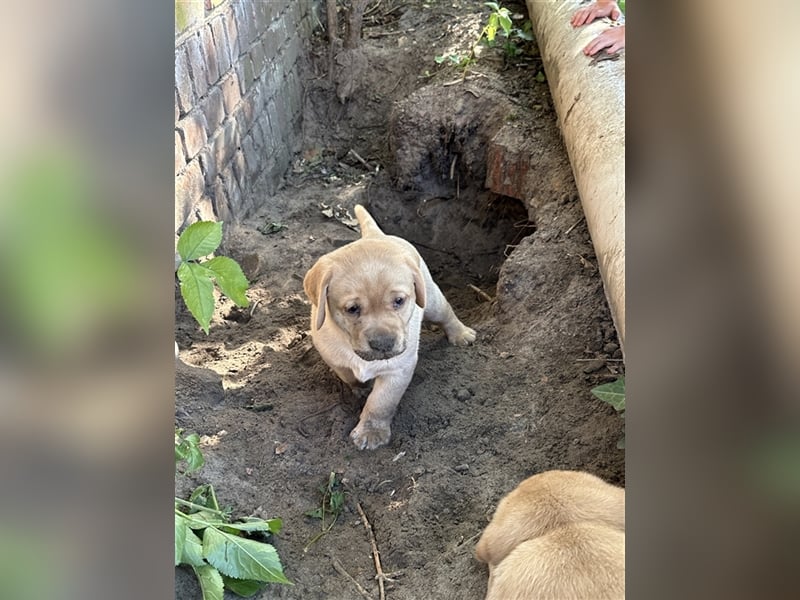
(382, 346)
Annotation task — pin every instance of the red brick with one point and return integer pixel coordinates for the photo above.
(221, 44)
(188, 191)
(193, 131)
(507, 167)
(180, 157)
(231, 94)
(210, 54)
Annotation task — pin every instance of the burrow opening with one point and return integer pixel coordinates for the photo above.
(464, 240)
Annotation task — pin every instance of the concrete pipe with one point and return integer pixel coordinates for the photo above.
(589, 98)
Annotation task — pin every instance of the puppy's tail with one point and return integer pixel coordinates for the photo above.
(369, 228)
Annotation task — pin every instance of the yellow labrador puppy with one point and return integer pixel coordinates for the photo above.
(560, 535)
(368, 300)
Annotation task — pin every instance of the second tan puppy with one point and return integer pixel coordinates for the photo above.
(368, 300)
(559, 535)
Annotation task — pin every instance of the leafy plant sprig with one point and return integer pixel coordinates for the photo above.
(215, 546)
(197, 278)
(331, 506)
(614, 394)
(499, 21)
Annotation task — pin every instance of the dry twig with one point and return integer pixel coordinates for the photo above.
(340, 569)
(480, 292)
(360, 159)
(380, 576)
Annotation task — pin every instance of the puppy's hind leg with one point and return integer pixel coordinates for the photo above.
(439, 311)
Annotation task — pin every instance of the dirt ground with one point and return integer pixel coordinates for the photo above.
(475, 421)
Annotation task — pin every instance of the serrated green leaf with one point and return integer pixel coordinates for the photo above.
(243, 587)
(180, 537)
(210, 582)
(271, 525)
(242, 558)
(204, 496)
(540, 77)
(314, 514)
(181, 452)
(197, 290)
(612, 393)
(199, 239)
(230, 278)
(492, 5)
(192, 550)
(195, 459)
(202, 519)
(188, 449)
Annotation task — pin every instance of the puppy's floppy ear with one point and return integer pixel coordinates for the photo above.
(419, 282)
(315, 284)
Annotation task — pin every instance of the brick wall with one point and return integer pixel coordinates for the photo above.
(238, 101)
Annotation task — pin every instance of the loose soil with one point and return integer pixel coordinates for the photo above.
(475, 421)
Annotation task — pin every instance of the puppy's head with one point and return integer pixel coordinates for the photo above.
(369, 289)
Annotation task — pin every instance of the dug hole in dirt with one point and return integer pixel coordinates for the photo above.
(475, 420)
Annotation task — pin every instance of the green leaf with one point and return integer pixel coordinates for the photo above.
(612, 393)
(230, 278)
(188, 449)
(491, 28)
(242, 558)
(523, 35)
(192, 550)
(197, 290)
(204, 495)
(439, 59)
(314, 514)
(540, 77)
(202, 519)
(271, 525)
(492, 5)
(199, 239)
(505, 21)
(195, 459)
(210, 582)
(180, 537)
(243, 587)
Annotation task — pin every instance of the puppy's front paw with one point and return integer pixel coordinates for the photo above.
(462, 336)
(370, 436)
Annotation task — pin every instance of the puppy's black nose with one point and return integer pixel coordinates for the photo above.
(382, 343)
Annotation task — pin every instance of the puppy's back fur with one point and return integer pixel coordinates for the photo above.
(583, 561)
(559, 535)
(546, 501)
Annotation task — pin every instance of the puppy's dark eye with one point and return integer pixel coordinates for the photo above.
(353, 309)
(398, 302)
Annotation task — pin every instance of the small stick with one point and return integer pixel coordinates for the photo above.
(598, 358)
(340, 569)
(457, 81)
(480, 292)
(255, 305)
(359, 159)
(574, 226)
(380, 576)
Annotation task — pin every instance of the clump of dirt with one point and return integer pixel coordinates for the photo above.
(475, 421)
